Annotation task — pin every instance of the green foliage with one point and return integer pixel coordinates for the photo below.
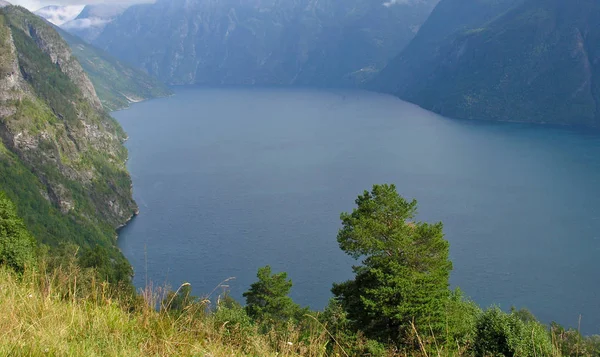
(461, 319)
(49, 83)
(570, 342)
(17, 246)
(179, 300)
(405, 268)
(233, 320)
(107, 268)
(52, 110)
(6, 55)
(501, 334)
(267, 299)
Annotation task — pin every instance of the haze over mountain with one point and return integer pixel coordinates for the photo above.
(117, 84)
(58, 15)
(305, 42)
(93, 19)
(530, 60)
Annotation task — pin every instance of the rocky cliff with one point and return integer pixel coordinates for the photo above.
(61, 155)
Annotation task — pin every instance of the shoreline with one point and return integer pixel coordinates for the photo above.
(136, 212)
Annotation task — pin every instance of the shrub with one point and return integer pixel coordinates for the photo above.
(501, 334)
(17, 245)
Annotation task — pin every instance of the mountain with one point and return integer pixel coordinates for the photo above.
(4, 3)
(93, 19)
(62, 157)
(59, 15)
(304, 42)
(530, 61)
(117, 84)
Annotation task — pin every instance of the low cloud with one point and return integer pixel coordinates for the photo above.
(58, 15)
(80, 24)
(399, 2)
(37, 4)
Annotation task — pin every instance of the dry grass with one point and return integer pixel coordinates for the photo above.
(41, 316)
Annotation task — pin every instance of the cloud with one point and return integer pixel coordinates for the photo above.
(37, 4)
(58, 15)
(80, 24)
(399, 2)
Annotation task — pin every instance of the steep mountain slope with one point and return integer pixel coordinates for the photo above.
(93, 19)
(61, 156)
(117, 84)
(419, 58)
(533, 61)
(311, 42)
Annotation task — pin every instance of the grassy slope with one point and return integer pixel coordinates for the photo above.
(116, 83)
(37, 320)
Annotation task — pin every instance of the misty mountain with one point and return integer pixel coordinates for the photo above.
(531, 61)
(305, 42)
(93, 19)
(58, 15)
(4, 3)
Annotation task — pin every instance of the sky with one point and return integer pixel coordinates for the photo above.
(37, 4)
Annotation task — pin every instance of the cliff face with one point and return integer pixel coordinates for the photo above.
(61, 155)
(305, 42)
(529, 61)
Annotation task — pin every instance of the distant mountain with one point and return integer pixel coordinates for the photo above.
(117, 84)
(304, 42)
(93, 19)
(529, 61)
(59, 15)
(62, 159)
(4, 3)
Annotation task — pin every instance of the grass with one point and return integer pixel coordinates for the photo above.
(65, 312)
(46, 315)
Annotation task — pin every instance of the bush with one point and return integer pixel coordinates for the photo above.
(17, 245)
(461, 321)
(500, 334)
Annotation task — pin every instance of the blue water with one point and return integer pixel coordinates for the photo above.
(229, 180)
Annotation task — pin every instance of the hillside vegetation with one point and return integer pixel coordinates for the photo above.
(51, 305)
(527, 61)
(62, 157)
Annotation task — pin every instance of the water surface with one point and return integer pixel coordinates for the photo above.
(229, 180)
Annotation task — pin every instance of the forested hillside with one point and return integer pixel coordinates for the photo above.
(61, 155)
(528, 61)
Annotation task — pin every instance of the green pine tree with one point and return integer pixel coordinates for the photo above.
(405, 267)
(268, 300)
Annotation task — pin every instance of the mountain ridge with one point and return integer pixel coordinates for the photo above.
(303, 42)
(535, 62)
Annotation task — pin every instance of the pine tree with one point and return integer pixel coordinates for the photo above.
(405, 267)
(268, 300)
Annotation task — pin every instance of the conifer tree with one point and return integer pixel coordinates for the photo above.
(405, 268)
